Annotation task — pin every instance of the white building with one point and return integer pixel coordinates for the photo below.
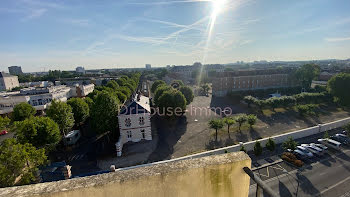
(148, 66)
(7, 81)
(80, 70)
(134, 122)
(40, 98)
(82, 90)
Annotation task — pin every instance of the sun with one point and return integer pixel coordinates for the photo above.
(218, 6)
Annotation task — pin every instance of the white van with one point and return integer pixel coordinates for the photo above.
(330, 143)
(72, 137)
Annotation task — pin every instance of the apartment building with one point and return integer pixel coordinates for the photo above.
(242, 80)
(7, 81)
(40, 98)
(15, 70)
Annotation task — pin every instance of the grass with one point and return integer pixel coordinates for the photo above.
(268, 112)
(280, 110)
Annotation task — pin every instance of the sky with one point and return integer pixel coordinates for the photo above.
(40, 35)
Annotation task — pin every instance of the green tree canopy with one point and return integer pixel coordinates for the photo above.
(80, 109)
(22, 111)
(156, 84)
(251, 119)
(289, 144)
(104, 113)
(38, 131)
(172, 102)
(205, 88)
(270, 144)
(338, 86)
(229, 121)
(188, 93)
(90, 103)
(306, 73)
(159, 92)
(257, 148)
(216, 124)
(62, 114)
(4, 122)
(112, 84)
(19, 160)
(240, 119)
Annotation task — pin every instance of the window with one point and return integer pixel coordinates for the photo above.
(142, 120)
(129, 135)
(143, 134)
(127, 122)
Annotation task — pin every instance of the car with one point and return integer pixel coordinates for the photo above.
(340, 139)
(343, 136)
(321, 146)
(330, 143)
(299, 154)
(314, 150)
(4, 132)
(305, 151)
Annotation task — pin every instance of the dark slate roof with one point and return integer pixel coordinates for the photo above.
(133, 108)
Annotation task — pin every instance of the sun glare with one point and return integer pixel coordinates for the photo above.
(218, 6)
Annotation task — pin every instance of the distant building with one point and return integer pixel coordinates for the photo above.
(134, 122)
(226, 82)
(7, 81)
(148, 66)
(80, 70)
(15, 70)
(40, 98)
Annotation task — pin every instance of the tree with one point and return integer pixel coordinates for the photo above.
(22, 111)
(205, 88)
(90, 102)
(38, 131)
(159, 92)
(270, 144)
(112, 84)
(326, 135)
(156, 84)
(243, 149)
(306, 73)
(240, 120)
(19, 161)
(62, 114)
(171, 103)
(4, 122)
(289, 144)
(229, 121)
(80, 109)
(347, 129)
(251, 119)
(216, 124)
(177, 84)
(257, 148)
(104, 113)
(338, 86)
(249, 100)
(188, 93)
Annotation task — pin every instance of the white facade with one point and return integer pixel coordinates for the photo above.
(7, 81)
(134, 123)
(39, 98)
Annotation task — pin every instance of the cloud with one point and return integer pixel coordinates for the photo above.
(339, 39)
(80, 22)
(35, 13)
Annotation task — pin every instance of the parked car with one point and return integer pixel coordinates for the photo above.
(330, 143)
(3, 132)
(314, 150)
(343, 136)
(299, 154)
(305, 151)
(323, 147)
(340, 139)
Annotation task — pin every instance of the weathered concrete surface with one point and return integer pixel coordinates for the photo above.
(219, 175)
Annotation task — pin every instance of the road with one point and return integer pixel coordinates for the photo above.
(329, 176)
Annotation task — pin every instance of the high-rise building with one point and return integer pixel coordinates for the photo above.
(15, 70)
(7, 81)
(80, 70)
(148, 66)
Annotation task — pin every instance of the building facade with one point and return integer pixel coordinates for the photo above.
(15, 70)
(227, 82)
(80, 70)
(40, 98)
(7, 81)
(148, 66)
(134, 122)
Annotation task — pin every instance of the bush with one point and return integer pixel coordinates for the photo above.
(298, 163)
(270, 145)
(243, 149)
(326, 135)
(257, 148)
(289, 144)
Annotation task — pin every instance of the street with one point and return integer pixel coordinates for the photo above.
(327, 177)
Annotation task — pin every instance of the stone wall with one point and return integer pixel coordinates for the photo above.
(219, 175)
